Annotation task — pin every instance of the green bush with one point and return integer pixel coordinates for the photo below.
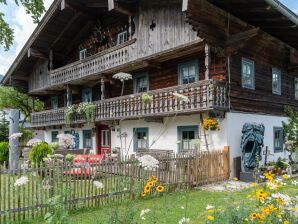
(69, 158)
(38, 152)
(4, 152)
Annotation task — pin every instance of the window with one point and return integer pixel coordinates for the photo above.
(65, 99)
(276, 81)
(248, 74)
(54, 136)
(141, 138)
(278, 139)
(188, 72)
(185, 135)
(83, 54)
(87, 139)
(87, 95)
(122, 37)
(141, 83)
(54, 102)
(105, 138)
(296, 88)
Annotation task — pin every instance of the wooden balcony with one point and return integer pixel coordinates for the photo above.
(201, 96)
(92, 65)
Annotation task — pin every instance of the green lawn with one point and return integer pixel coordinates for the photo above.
(166, 209)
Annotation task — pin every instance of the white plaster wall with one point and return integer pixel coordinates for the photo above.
(48, 135)
(168, 133)
(234, 123)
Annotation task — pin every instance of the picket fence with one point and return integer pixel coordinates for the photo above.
(121, 180)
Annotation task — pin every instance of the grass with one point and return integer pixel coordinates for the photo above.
(166, 209)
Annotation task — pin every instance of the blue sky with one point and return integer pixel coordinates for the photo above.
(23, 27)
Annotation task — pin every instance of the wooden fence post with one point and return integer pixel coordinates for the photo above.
(227, 161)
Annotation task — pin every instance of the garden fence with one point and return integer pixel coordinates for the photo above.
(121, 180)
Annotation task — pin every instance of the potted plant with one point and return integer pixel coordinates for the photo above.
(88, 111)
(146, 98)
(114, 152)
(210, 123)
(69, 114)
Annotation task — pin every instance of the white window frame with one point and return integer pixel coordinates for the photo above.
(122, 37)
(251, 63)
(83, 54)
(296, 88)
(105, 138)
(276, 72)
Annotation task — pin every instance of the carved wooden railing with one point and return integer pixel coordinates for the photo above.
(201, 96)
(94, 64)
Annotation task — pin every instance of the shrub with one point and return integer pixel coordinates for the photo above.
(4, 152)
(55, 146)
(69, 158)
(38, 152)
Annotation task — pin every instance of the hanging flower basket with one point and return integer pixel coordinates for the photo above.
(88, 111)
(210, 123)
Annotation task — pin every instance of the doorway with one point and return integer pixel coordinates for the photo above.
(103, 139)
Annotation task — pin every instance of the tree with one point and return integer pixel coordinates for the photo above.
(291, 133)
(4, 132)
(14, 99)
(33, 7)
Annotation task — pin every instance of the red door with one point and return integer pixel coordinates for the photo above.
(103, 139)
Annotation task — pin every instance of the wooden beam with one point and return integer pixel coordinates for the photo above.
(243, 36)
(117, 7)
(207, 62)
(68, 25)
(96, 4)
(185, 5)
(35, 53)
(294, 58)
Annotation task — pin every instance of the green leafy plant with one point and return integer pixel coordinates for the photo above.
(146, 98)
(69, 158)
(4, 152)
(88, 111)
(55, 146)
(39, 152)
(69, 114)
(290, 129)
(27, 134)
(14, 99)
(34, 7)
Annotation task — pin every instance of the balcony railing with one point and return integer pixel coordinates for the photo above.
(92, 65)
(201, 96)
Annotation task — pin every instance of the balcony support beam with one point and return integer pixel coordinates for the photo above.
(102, 89)
(68, 96)
(207, 61)
(116, 6)
(32, 52)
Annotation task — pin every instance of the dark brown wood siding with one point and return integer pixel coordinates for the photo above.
(261, 100)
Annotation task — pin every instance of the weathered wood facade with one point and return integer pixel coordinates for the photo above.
(158, 36)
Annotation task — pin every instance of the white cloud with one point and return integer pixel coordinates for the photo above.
(23, 27)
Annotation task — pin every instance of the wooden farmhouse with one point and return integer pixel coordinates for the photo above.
(235, 61)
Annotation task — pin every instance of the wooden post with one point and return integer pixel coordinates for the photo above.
(14, 116)
(207, 62)
(102, 88)
(226, 152)
(51, 60)
(68, 96)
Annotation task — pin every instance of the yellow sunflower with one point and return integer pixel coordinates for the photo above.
(261, 195)
(210, 217)
(160, 188)
(150, 183)
(147, 189)
(253, 215)
(143, 194)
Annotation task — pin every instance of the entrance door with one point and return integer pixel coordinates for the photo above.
(103, 139)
